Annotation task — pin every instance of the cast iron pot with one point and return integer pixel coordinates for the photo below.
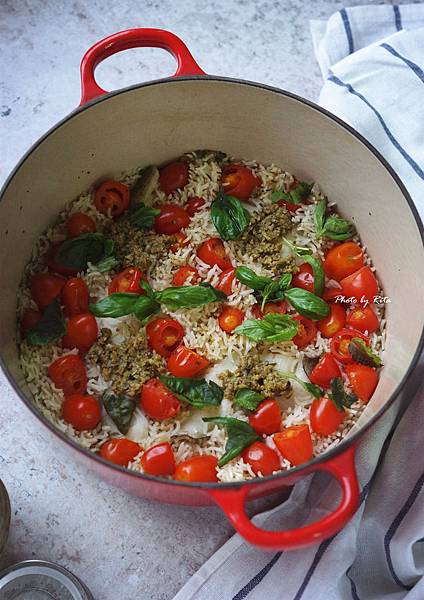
(159, 120)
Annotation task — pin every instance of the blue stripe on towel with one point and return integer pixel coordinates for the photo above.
(257, 578)
(398, 19)
(346, 23)
(413, 66)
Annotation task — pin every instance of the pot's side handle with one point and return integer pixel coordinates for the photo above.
(342, 467)
(133, 38)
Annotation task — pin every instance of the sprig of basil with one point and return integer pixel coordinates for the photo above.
(120, 304)
(274, 327)
(240, 435)
(189, 296)
(276, 289)
(316, 264)
(248, 399)
(77, 252)
(107, 264)
(339, 395)
(307, 304)
(331, 226)
(311, 388)
(144, 216)
(49, 328)
(198, 392)
(249, 278)
(120, 409)
(363, 354)
(297, 195)
(229, 216)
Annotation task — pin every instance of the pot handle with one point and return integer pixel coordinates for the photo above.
(133, 38)
(342, 467)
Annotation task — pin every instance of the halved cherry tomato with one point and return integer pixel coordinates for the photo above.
(53, 265)
(212, 252)
(68, 374)
(230, 318)
(29, 319)
(164, 335)
(184, 362)
(82, 412)
(324, 371)
(112, 198)
(173, 176)
(184, 273)
(181, 242)
(79, 223)
(128, 280)
(81, 332)
(363, 318)
(172, 219)
(267, 417)
(361, 285)
(194, 205)
(339, 344)
(334, 322)
(120, 451)
(280, 307)
(159, 460)
(197, 468)
(325, 417)
(261, 458)
(304, 278)
(332, 294)
(75, 297)
(363, 380)
(343, 260)
(239, 181)
(295, 444)
(306, 333)
(45, 288)
(225, 281)
(157, 401)
(290, 206)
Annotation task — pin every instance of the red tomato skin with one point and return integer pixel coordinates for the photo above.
(128, 280)
(81, 332)
(325, 370)
(45, 288)
(181, 242)
(339, 340)
(295, 444)
(50, 260)
(29, 319)
(173, 176)
(157, 401)
(267, 417)
(75, 297)
(194, 205)
(335, 321)
(68, 374)
(212, 252)
(332, 294)
(164, 335)
(279, 307)
(197, 469)
(325, 417)
(225, 281)
(171, 220)
(304, 278)
(184, 362)
(261, 458)
(290, 206)
(361, 285)
(159, 460)
(306, 334)
(79, 223)
(112, 197)
(230, 318)
(363, 380)
(343, 260)
(120, 451)
(239, 181)
(363, 318)
(82, 412)
(183, 273)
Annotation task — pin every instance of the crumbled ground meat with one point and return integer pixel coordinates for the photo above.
(128, 365)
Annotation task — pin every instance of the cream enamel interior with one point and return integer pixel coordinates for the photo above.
(154, 123)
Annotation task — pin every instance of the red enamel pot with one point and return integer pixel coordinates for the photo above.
(155, 121)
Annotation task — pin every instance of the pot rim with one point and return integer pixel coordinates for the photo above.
(325, 456)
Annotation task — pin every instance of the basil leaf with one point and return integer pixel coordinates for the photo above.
(120, 304)
(229, 216)
(198, 392)
(144, 216)
(339, 395)
(77, 252)
(363, 354)
(285, 281)
(274, 327)
(49, 328)
(296, 195)
(316, 264)
(107, 264)
(269, 291)
(189, 296)
(307, 304)
(120, 409)
(249, 278)
(319, 216)
(332, 226)
(145, 285)
(311, 388)
(240, 435)
(248, 399)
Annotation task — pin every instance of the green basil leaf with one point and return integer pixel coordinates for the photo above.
(285, 281)
(249, 278)
(280, 195)
(49, 328)
(311, 388)
(229, 216)
(363, 354)
(120, 409)
(248, 399)
(145, 285)
(189, 296)
(319, 216)
(120, 304)
(307, 304)
(274, 327)
(339, 395)
(198, 392)
(107, 264)
(77, 252)
(301, 192)
(269, 291)
(337, 228)
(240, 435)
(316, 264)
(144, 216)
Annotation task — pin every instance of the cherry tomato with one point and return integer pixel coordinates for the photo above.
(324, 371)
(112, 198)
(52, 263)
(212, 252)
(128, 280)
(225, 281)
(79, 223)
(267, 417)
(181, 242)
(164, 335)
(295, 444)
(331, 294)
(171, 220)
(173, 176)
(339, 344)
(343, 260)
(120, 451)
(230, 318)
(261, 458)
(279, 307)
(157, 401)
(239, 181)
(159, 460)
(184, 362)
(335, 321)
(290, 206)
(363, 318)
(82, 412)
(306, 333)
(325, 417)
(184, 273)
(194, 205)
(361, 285)
(45, 288)
(197, 468)
(68, 374)
(81, 332)
(29, 319)
(363, 380)
(75, 297)
(304, 278)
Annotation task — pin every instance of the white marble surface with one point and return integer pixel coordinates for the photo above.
(123, 547)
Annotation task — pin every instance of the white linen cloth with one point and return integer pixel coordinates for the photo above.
(372, 58)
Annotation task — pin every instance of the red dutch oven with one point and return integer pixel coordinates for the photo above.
(156, 121)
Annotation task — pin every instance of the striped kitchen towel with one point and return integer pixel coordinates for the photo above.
(372, 60)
